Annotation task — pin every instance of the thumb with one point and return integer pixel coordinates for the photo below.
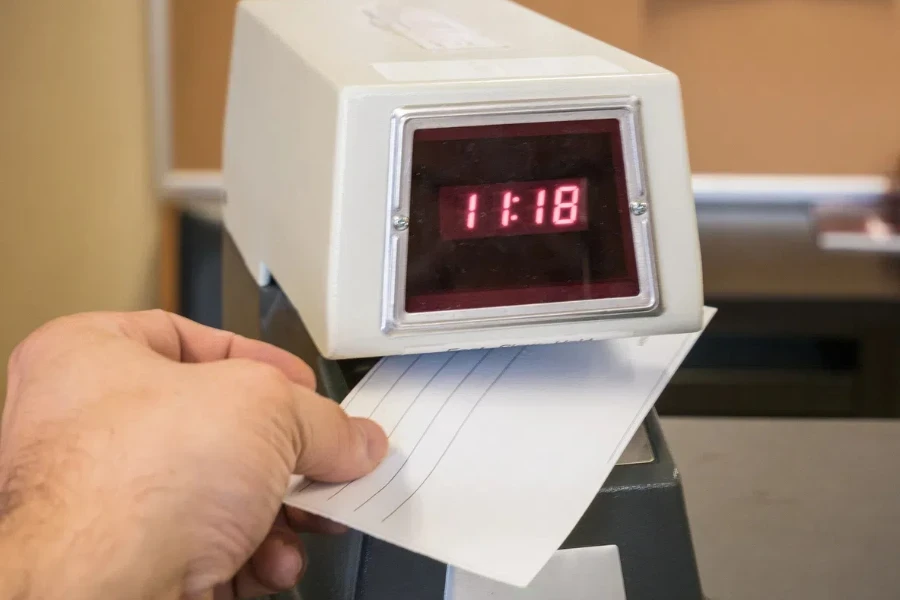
(332, 446)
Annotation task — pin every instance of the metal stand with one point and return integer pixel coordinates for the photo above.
(640, 508)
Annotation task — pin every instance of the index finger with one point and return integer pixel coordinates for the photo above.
(183, 340)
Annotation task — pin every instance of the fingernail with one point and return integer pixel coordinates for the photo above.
(291, 566)
(376, 441)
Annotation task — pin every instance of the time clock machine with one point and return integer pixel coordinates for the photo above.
(425, 182)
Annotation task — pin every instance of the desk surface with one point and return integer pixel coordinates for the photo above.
(793, 508)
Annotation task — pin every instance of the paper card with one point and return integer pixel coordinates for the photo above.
(584, 573)
(496, 454)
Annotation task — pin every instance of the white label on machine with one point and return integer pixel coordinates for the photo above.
(505, 68)
(427, 28)
(577, 574)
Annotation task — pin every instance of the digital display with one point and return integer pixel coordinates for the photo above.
(514, 208)
(515, 214)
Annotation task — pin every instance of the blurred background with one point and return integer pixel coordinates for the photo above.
(783, 419)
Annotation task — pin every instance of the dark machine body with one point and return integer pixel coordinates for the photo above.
(640, 508)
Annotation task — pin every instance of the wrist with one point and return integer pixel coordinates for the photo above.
(17, 541)
(34, 559)
(21, 535)
(49, 551)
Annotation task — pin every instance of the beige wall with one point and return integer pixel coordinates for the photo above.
(770, 86)
(78, 225)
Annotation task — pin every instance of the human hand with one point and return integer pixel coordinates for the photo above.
(145, 456)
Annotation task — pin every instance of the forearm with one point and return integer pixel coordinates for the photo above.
(37, 561)
(23, 549)
(15, 580)
(15, 576)
(48, 552)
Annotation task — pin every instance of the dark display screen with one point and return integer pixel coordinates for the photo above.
(514, 208)
(506, 215)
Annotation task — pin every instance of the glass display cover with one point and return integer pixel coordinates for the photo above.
(506, 215)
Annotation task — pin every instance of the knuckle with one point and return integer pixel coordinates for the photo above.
(36, 343)
(58, 335)
(156, 312)
(344, 438)
(311, 379)
(267, 380)
(16, 358)
(155, 316)
(130, 322)
(325, 434)
(61, 327)
(278, 395)
(305, 440)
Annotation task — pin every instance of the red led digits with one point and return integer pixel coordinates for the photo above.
(508, 200)
(539, 206)
(473, 206)
(495, 209)
(560, 203)
(507, 205)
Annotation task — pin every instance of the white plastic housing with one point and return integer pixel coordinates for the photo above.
(314, 90)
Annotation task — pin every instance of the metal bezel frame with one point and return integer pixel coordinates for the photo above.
(406, 121)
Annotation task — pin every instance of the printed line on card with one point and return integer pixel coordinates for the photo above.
(456, 434)
(427, 428)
